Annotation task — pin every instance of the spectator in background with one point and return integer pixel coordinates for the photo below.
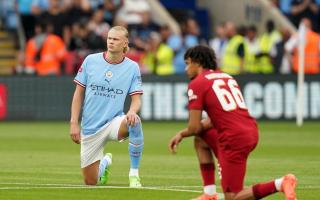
(8, 15)
(304, 9)
(159, 56)
(312, 50)
(39, 6)
(27, 19)
(83, 42)
(131, 11)
(165, 33)
(285, 7)
(97, 24)
(190, 33)
(143, 29)
(267, 40)
(111, 7)
(77, 10)
(317, 25)
(94, 4)
(279, 56)
(219, 42)
(45, 52)
(252, 43)
(137, 55)
(233, 59)
(54, 17)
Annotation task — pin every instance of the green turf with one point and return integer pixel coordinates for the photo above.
(39, 161)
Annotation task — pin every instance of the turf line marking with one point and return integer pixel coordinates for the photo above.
(76, 186)
(29, 186)
(93, 187)
(81, 185)
(48, 186)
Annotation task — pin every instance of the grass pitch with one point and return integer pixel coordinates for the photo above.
(39, 161)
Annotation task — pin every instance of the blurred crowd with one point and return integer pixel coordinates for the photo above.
(296, 10)
(60, 33)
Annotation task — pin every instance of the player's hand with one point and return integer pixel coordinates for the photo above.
(174, 142)
(132, 118)
(75, 133)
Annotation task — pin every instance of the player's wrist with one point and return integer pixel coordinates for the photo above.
(132, 112)
(74, 122)
(182, 135)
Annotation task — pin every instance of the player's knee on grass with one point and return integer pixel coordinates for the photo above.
(90, 181)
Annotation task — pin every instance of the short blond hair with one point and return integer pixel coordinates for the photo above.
(121, 28)
(126, 34)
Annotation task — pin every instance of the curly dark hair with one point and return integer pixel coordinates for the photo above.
(203, 55)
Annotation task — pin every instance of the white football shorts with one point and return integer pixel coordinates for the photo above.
(92, 145)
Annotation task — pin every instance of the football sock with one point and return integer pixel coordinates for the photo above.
(104, 162)
(210, 189)
(207, 173)
(133, 172)
(261, 190)
(135, 144)
(278, 183)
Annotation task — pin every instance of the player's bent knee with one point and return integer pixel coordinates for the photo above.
(229, 196)
(198, 142)
(90, 181)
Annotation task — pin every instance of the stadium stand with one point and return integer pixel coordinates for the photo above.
(188, 22)
(8, 53)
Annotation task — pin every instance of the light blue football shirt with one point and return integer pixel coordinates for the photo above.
(106, 87)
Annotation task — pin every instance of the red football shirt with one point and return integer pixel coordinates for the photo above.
(219, 95)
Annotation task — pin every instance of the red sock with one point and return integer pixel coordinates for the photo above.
(207, 173)
(261, 190)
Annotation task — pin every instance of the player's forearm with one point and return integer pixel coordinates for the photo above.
(191, 131)
(76, 107)
(135, 104)
(195, 126)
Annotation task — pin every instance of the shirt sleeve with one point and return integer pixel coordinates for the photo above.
(81, 77)
(195, 96)
(136, 85)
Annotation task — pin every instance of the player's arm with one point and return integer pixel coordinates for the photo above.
(76, 105)
(195, 127)
(132, 117)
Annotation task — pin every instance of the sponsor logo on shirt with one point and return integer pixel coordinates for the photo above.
(191, 95)
(105, 91)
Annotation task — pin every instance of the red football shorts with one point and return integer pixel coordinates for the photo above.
(210, 136)
(232, 151)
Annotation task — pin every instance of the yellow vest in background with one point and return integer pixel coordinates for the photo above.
(266, 43)
(160, 62)
(231, 61)
(250, 62)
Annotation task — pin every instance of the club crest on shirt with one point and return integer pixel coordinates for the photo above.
(109, 74)
(191, 95)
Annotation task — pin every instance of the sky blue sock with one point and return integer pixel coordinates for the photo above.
(102, 166)
(135, 145)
